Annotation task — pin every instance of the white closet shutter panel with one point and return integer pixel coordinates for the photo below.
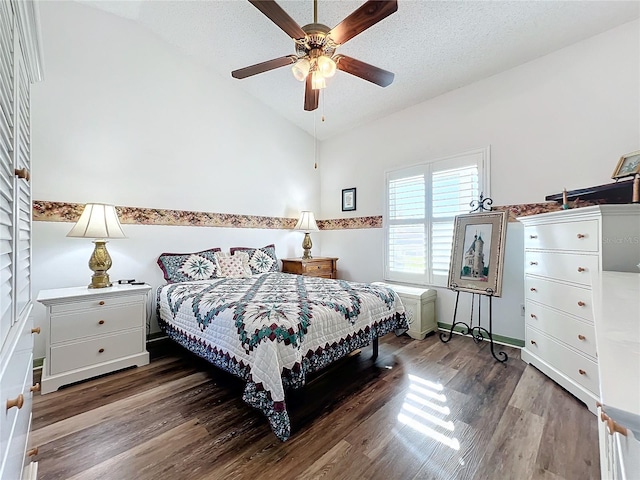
(452, 192)
(407, 236)
(6, 170)
(23, 186)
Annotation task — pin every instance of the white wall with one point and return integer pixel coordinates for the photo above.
(562, 120)
(124, 118)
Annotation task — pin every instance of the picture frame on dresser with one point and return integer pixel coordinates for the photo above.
(477, 253)
(627, 166)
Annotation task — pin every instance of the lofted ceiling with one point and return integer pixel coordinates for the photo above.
(432, 46)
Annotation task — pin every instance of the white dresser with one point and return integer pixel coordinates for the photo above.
(92, 332)
(562, 250)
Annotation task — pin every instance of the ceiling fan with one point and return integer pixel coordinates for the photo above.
(315, 58)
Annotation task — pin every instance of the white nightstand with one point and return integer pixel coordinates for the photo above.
(93, 332)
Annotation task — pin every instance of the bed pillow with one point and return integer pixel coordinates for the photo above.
(233, 266)
(261, 260)
(185, 267)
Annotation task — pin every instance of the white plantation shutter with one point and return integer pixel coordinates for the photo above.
(6, 170)
(422, 202)
(406, 235)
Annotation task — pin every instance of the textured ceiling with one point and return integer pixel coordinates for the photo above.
(431, 46)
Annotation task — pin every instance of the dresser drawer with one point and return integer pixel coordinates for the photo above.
(579, 236)
(97, 321)
(579, 335)
(97, 303)
(568, 298)
(561, 266)
(574, 365)
(82, 354)
(318, 269)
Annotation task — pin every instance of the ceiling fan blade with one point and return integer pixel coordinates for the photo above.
(264, 67)
(278, 16)
(311, 96)
(364, 17)
(364, 70)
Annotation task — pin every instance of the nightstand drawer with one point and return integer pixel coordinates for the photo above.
(97, 303)
(578, 236)
(318, 269)
(90, 352)
(97, 321)
(568, 298)
(561, 266)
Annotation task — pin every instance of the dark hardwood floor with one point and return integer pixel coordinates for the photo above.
(422, 410)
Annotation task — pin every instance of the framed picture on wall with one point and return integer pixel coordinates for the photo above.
(348, 199)
(477, 253)
(628, 165)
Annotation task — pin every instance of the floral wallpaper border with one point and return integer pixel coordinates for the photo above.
(44, 211)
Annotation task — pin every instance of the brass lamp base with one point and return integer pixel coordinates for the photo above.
(99, 263)
(306, 246)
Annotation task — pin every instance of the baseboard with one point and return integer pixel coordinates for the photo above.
(511, 342)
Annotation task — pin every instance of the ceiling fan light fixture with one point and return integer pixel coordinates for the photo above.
(317, 81)
(301, 69)
(326, 66)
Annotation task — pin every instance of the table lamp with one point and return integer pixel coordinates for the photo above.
(307, 223)
(98, 221)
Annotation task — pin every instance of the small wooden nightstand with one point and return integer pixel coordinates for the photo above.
(92, 332)
(312, 267)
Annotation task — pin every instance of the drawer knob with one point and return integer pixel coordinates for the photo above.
(615, 427)
(16, 402)
(101, 302)
(582, 372)
(581, 303)
(581, 337)
(581, 235)
(101, 322)
(35, 330)
(533, 263)
(32, 452)
(582, 269)
(34, 388)
(533, 236)
(532, 315)
(101, 350)
(533, 342)
(533, 289)
(22, 173)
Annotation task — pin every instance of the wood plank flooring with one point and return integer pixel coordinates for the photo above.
(422, 410)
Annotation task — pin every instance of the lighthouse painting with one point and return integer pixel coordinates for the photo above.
(477, 253)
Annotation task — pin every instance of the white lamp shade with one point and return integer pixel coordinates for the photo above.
(307, 222)
(98, 221)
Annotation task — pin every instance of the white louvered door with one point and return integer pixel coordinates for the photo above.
(6, 171)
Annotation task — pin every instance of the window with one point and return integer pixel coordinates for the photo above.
(422, 202)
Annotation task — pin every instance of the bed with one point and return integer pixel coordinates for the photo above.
(273, 329)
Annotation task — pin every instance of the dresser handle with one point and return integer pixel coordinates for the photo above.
(581, 269)
(101, 350)
(35, 330)
(615, 427)
(101, 322)
(533, 263)
(22, 173)
(32, 452)
(532, 315)
(533, 236)
(533, 342)
(16, 402)
(581, 304)
(582, 372)
(101, 302)
(581, 235)
(533, 289)
(35, 388)
(581, 337)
